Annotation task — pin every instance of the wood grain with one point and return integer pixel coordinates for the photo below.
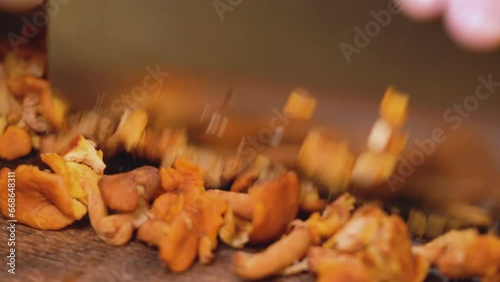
(77, 254)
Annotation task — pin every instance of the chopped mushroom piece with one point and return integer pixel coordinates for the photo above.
(277, 257)
(15, 142)
(83, 151)
(122, 192)
(394, 107)
(300, 105)
(128, 132)
(373, 168)
(42, 200)
(464, 253)
(380, 136)
(154, 145)
(178, 248)
(318, 149)
(309, 198)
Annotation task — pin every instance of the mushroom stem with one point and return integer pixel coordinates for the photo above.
(241, 204)
(276, 258)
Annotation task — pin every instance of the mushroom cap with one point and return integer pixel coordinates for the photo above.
(275, 206)
(42, 199)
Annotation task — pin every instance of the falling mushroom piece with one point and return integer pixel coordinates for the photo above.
(394, 107)
(326, 160)
(128, 132)
(380, 136)
(300, 105)
(373, 168)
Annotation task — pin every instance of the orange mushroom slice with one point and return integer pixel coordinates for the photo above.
(371, 168)
(42, 199)
(394, 107)
(320, 148)
(83, 151)
(300, 105)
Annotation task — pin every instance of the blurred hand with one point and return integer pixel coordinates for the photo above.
(474, 24)
(15, 6)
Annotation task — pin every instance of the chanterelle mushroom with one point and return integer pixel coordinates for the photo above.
(15, 142)
(276, 203)
(270, 206)
(83, 151)
(464, 253)
(81, 168)
(122, 192)
(128, 133)
(42, 200)
(381, 242)
(277, 257)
